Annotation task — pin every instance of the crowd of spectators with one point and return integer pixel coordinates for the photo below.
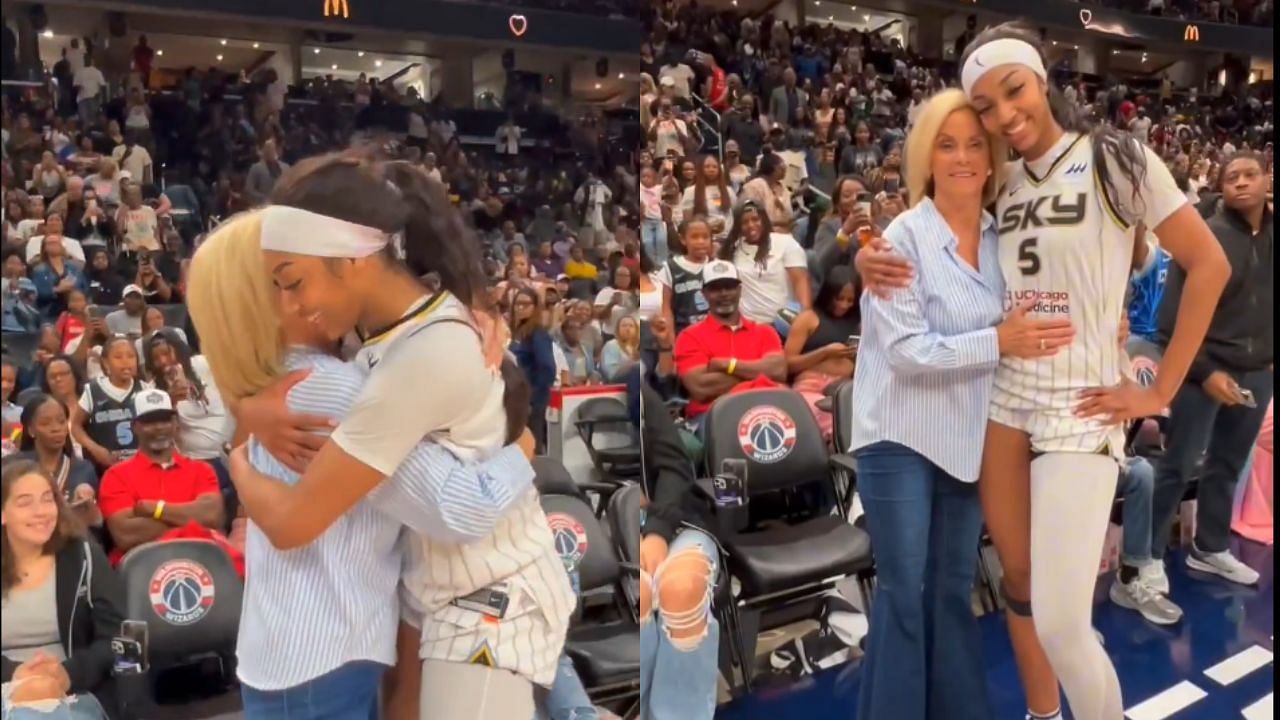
(1242, 12)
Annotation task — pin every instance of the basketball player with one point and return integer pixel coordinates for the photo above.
(1054, 437)
(492, 613)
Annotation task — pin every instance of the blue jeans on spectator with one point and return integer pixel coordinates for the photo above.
(348, 693)
(924, 652)
(79, 707)
(1137, 485)
(685, 679)
(567, 699)
(653, 233)
(1197, 423)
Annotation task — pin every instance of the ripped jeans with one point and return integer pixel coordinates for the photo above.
(78, 707)
(678, 676)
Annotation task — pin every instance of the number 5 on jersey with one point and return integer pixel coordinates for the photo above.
(1029, 256)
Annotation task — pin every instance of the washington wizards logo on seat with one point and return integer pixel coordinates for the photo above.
(766, 434)
(569, 536)
(181, 592)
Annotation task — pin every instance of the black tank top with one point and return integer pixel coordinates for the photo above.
(831, 330)
(687, 304)
(111, 421)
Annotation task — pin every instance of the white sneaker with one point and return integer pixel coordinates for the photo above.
(1223, 564)
(1153, 576)
(1139, 596)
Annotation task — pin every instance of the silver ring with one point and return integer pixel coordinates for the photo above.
(1042, 343)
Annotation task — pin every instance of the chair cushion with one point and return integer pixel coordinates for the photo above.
(777, 559)
(605, 654)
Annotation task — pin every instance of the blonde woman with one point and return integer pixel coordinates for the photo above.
(320, 622)
(622, 352)
(327, 243)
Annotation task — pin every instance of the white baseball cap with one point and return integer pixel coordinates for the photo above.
(718, 270)
(152, 403)
(131, 289)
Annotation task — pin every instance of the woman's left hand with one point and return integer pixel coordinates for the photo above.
(1119, 403)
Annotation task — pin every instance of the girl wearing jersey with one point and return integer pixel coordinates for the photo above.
(1049, 468)
(102, 421)
(681, 276)
(309, 649)
(428, 376)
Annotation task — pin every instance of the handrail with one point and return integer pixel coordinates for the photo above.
(715, 130)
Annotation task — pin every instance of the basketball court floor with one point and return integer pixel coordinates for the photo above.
(1215, 665)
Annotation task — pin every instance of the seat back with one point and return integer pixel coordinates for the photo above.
(624, 520)
(188, 593)
(774, 431)
(550, 477)
(581, 541)
(842, 416)
(603, 410)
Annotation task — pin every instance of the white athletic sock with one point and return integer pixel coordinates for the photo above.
(1071, 497)
(1056, 716)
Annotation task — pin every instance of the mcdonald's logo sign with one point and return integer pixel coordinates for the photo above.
(337, 8)
(1191, 34)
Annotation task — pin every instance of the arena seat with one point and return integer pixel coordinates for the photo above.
(188, 593)
(175, 314)
(550, 477)
(780, 566)
(615, 464)
(19, 347)
(605, 654)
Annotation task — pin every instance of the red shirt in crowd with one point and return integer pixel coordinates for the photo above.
(69, 328)
(140, 478)
(719, 89)
(712, 339)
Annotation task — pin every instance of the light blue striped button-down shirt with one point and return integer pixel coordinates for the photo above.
(929, 352)
(311, 610)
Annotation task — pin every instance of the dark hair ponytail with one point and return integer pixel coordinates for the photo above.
(435, 238)
(1111, 147)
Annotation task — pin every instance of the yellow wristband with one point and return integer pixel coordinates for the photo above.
(733, 365)
(159, 510)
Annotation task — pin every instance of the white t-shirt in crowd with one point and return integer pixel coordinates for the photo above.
(75, 57)
(766, 290)
(70, 246)
(204, 427)
(417, 127)
(668, 137)
(620, 310)
(681, 75)
(89, 81)
(137, 162)
(508, 140)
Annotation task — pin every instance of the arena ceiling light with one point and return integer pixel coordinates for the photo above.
(317, 51)
(597, 86)
(223, 42)
(48, 32)
(159, 53)
(377, 63)
(219, 58)
(255, 46)
(622, 76)
(359, 53)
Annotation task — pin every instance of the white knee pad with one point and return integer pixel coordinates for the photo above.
(693, 617)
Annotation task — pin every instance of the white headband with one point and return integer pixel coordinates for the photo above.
(293, 230)
(1005, 51)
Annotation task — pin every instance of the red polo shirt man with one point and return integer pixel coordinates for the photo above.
(158, 494)
(726, 352)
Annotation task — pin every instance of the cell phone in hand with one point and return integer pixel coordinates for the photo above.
(1246, 398)
(891, 186)
(854, 341)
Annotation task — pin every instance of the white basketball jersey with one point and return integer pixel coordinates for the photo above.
(518, 559)
(1061, 242)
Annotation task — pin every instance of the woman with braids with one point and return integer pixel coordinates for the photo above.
(772, 266)
(1049, 470)
(484, 614)
(710, 197)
